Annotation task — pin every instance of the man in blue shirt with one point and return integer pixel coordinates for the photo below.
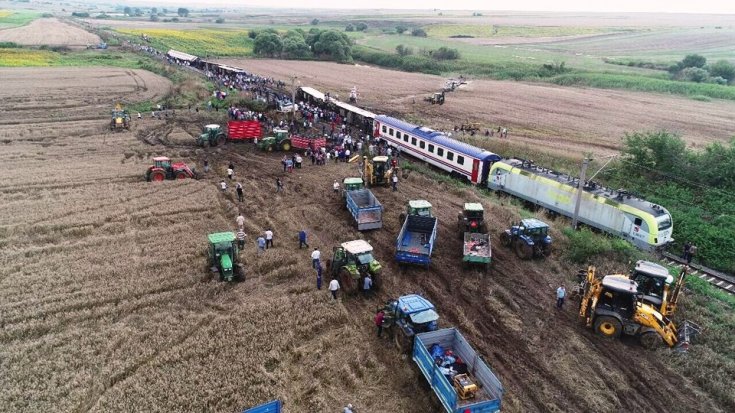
(261, 245)
(302, 239)
(561, 292)
(367, 285)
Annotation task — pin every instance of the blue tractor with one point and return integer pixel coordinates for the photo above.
(529, 238)
(408, 315)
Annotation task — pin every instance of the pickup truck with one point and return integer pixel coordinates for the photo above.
(415, 242)
(476, 249)
(365, 209)
(456, 373)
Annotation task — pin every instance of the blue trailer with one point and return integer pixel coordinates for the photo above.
(270, 407)
(415, 242)
(365, 209)
(476, 391)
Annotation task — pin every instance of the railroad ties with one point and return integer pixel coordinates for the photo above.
(716, 278)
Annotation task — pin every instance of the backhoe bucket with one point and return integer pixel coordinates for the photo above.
(687, 331)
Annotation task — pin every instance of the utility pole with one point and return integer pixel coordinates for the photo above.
(293, 97)
(580, 188)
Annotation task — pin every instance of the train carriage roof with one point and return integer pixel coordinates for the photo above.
(438, 138)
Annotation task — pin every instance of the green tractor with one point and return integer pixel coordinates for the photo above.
(352, 262)
(279, 141)
(472, 219)
(223, 258)
(212, 135)
(417, 207)
(352, 184)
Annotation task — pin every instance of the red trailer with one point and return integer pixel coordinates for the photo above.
(238, 130)
(303, 142)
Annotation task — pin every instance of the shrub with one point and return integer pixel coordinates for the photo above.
(350, 28)
(445, 53)
(80, 14)
(418, 32)
(361, 27)
(694, 74)
(220, 20)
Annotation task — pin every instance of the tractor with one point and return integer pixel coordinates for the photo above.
(530, 238)
(120, 119)
(351, 184)
(416, 207)
(223, 258)
(378, 171)
(408, 315)
(436, 98)
(279, 140)
(212, 135)
(352, 262)
(472, 219)
(163, 169)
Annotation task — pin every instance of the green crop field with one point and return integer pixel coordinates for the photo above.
(199, 42)
(12, 18)
(491, 30)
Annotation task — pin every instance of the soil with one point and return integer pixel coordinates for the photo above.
(545, 118)
(50, 32)
(107, 303)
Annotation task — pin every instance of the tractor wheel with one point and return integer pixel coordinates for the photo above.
(346, 282)
(181, 175)
(158, 176)
(285, 145)
(221, 139)
(651, 340)
(523, 250)
(546, 250)
(505, 239)
(609, 327)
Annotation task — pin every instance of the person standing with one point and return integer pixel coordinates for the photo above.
(379, 316)
(230, 172)
(333, 288)
(261, 245)
(241, 239)
(335, 186)
(687, 247)
(315, 256)
(394, 182)
(223, 185)
(206, 165)
(367, 285)
(302, 239)
(319, 277)
(561, 292)
(692, 253)
(268, 238)
(240, 221)
(348, 409)
(279, 185)
(238, 188)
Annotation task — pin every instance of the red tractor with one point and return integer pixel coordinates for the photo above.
(163, 168)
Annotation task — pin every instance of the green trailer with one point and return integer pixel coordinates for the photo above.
(476, 250)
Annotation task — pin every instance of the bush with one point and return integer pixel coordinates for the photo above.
(9, 45)
(220, 20)
(695, 74)
(80, 14)
(585, 246)
(723, 69)
(361, 27)
(350, 28)
(401, 29)
(418, 32)
(315, 22)
(445, 53)
(403, 50)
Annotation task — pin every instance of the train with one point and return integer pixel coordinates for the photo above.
(646, 225)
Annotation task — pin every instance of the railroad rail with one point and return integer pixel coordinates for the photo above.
(716, 278)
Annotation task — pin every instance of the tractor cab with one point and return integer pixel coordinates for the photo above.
(619, 294)
(652, 280)
(352, 184)
(162, 162)
(279, 139)
(222, 254)
(212, 134)
(412, 313)
(419, 207)
(380, 169)
(352, 262)
(472, 218)
(534, 229)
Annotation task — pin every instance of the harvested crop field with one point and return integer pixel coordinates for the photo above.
(50, 32)
(547, 118)
(107, 305)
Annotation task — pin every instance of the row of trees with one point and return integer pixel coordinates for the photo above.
(442, 53)
(695, 68)
(299, 44)
(137, 12)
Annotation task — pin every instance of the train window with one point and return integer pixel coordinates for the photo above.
(405, 137)
(431, 148)
(390, 131)
(638, 222)
(450, 155)
(413, 141)
(422, 144)
(440, 151)
(385, 130)
(460, 160)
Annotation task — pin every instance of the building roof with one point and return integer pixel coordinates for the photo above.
(357, 246)
(439, 138)
(354, 109)
(218, 237)
(531, 223)
(312, 92)
(181, 56)
(473, 206)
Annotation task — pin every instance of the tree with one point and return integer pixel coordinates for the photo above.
(294, 45)
(333, 44)
(127, 11)
(723, 69)
(154, 17)
(403, 50)
(418, 32)
(267, 44)
(661, 151)
(220, 20)
(445, 53)
(164, 10)
(400, 29)
(252, 34)
(154, 10)
(315, 22)
(693, 60)
(183, 12)
(695, 74)
(137, 12)
(350, 28)
(361, 27)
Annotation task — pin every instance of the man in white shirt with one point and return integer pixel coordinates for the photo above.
(315, 255)
(240, 221)
(268, 238)
(335, 186)
(395, 182)
(333, 287)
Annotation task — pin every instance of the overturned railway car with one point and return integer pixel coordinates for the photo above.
(646, 225)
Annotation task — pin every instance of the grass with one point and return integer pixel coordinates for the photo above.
(10, 18)
(199, 42)
(489, 30)
(26, 58)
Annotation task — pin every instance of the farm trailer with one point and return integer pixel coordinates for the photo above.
(365, 209)
(415, 242)
(489, 390)
(476, 249)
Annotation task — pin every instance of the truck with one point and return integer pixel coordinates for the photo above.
(365, 209)
(415, 242)
(462, 381)
(476, 250)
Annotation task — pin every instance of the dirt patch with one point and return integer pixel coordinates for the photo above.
(49, 32)
(559, 120)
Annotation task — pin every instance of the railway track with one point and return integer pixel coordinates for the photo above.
(716, 278)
